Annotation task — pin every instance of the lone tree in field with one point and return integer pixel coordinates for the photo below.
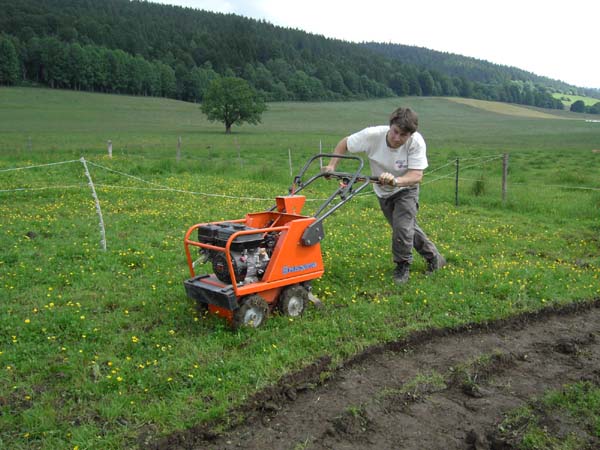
(231, 100)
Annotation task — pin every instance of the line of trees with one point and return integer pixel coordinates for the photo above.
(58, 64)
(69, 65)
(579, 106)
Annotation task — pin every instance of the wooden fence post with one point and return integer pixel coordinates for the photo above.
(178, 148)
(456, 184)
(320, 152)
(109, 148)
(504, 176)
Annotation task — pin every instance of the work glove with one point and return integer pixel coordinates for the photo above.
(387, 178)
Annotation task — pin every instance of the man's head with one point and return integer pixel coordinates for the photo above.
(403, 123)
(406, 119)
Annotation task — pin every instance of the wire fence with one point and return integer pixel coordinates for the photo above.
(450, 166)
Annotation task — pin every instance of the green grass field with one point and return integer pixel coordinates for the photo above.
(568, 99)
(100, 346)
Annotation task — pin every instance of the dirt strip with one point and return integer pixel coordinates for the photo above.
(439, 389)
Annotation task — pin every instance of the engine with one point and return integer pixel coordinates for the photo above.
(250, 253)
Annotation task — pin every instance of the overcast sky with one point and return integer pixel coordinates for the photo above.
(557, 39)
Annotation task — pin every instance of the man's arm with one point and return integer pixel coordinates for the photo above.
(410, 178)
(340, 149)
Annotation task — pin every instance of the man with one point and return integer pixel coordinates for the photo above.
(397, 156)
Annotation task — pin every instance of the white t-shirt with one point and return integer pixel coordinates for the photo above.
(397, 161)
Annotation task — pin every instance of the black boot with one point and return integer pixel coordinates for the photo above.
(436, 263)
(401, 273)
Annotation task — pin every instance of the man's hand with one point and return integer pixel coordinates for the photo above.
(387, 178)
(328, 168)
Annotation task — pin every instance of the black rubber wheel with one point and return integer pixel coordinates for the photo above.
(293, 300)
(201, 308)
(251, 313)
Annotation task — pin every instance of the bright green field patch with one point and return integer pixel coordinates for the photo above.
(569, 99)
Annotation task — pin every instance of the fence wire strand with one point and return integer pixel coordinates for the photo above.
(162, 188)
(39, 165)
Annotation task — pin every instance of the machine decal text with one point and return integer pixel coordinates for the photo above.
(299, 268)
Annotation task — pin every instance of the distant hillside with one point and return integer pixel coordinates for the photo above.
(141, 48)
(461, 66)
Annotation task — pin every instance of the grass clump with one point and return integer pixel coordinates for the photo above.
(566, 419)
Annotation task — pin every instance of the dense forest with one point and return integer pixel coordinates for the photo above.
(141, 48)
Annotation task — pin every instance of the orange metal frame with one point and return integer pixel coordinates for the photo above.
(290, 263)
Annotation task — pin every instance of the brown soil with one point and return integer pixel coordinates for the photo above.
(388, 397)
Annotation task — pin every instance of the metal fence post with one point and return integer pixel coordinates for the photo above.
(456, 184)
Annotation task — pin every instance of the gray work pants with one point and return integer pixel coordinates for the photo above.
(400, 210)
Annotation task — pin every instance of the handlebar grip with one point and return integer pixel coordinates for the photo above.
(360, 177)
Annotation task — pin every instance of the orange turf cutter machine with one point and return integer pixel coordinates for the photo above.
(267, 260)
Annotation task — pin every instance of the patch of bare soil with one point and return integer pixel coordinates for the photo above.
(440, 389)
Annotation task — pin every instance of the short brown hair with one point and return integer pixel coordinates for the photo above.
(406, 119)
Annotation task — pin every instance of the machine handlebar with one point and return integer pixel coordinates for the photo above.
(347, 176)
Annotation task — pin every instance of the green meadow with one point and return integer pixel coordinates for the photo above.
(569, 99)
(99, 347)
